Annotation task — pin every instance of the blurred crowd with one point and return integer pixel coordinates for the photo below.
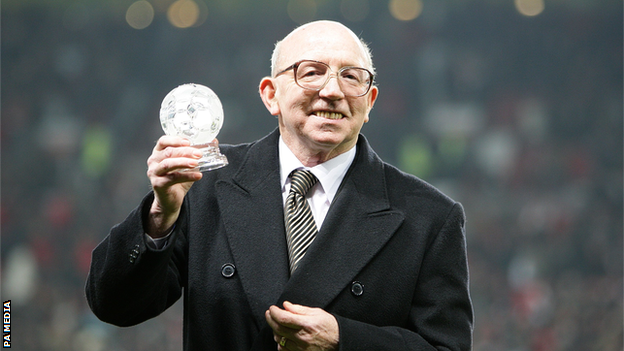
(518, 118)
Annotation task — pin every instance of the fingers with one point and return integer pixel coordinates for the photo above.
(171, 161)
(291, 318)
(173, 147)
(304, 327)
(172, 154)
(283, 335)
(169, 172)
(285, 329)
(168, 140)
(281, 321)
(297, 309)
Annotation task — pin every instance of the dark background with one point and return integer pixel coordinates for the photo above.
(517, 117)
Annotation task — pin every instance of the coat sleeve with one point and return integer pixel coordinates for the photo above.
(128, 281)
(441, 316)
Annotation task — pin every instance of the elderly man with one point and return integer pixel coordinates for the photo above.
(307, 240)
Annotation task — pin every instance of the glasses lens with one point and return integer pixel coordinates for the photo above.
(313, 75)
(355, 81)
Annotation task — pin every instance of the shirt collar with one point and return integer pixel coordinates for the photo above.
(330, 173)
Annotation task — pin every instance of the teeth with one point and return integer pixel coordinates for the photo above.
(329, 115)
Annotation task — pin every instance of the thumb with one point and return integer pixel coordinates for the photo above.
(294, 308)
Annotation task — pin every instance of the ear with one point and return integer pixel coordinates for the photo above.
(372, 97)
(267, 91)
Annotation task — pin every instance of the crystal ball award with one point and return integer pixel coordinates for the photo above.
(194, 112)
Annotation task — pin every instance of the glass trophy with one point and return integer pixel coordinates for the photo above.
(194, 112)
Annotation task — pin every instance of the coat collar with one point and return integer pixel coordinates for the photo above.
(358, 224)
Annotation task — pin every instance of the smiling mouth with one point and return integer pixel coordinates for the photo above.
(329, 115)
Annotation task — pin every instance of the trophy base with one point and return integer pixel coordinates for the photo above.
(212, 158)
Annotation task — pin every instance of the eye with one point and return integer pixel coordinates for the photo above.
(353, 76)
(310, 72)
(350, 77)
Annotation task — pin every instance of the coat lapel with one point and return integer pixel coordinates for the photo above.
(252, 211)
(357, 226)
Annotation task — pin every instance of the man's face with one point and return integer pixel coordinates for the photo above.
(324, 122)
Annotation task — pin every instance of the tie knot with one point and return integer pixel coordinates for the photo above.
(301, 181)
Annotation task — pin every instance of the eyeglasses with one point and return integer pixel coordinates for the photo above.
(314, 75)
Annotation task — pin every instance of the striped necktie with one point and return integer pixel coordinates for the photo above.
(300, 226)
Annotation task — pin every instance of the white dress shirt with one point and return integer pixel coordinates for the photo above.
(330, 174)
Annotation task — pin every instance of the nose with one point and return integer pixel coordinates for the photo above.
(332, 89)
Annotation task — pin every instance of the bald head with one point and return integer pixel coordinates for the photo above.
(314, 35)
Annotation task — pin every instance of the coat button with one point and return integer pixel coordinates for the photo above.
(134, 254)
(228, 270)
(357, 288)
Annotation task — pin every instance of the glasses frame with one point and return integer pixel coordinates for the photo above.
(295, 66)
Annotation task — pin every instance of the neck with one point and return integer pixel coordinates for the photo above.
(312, 157)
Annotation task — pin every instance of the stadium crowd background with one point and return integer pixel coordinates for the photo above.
(514, 108)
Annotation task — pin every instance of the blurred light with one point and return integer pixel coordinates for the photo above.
(415, 156)
(183, 13)
(20, 275)
(59, 130)
(522, 271)
(533, 119)
(140, 14)
(529, 7)
(354, 10)
(301, 11)
(203, 13)
(405, 10)
(455, 119)
(97, 151)
(496, 152)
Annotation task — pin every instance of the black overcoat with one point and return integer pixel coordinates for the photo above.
(389, 262)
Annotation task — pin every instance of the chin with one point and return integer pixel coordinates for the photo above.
(331, 140)
(327, 137)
